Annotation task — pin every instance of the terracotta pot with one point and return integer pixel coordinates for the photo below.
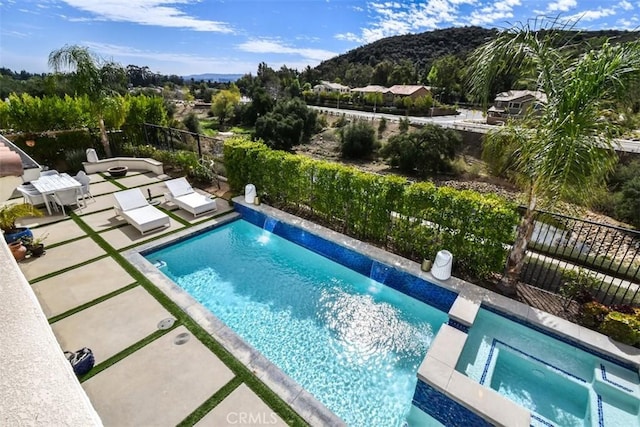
(18, 250)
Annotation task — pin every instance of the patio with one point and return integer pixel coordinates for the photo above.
(149, 353)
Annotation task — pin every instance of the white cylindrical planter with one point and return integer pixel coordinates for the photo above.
(441, 268)
(250, 193)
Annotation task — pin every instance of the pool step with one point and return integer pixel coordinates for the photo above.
(159, 264)
(616, 377)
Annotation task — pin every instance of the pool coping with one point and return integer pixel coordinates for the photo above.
(492, 406)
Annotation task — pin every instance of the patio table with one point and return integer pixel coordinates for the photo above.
(51, 184)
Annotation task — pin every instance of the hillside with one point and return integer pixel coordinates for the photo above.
(422, 49)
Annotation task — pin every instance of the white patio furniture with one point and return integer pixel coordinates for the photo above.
(85, 181)
(183, 195)
(49, 172)
(134, 208)
(48, 185)
(67, 198)
(31, 195)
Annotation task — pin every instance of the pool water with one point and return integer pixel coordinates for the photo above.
(352, 342)
(562, 385)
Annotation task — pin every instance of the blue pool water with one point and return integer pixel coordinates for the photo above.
(352, 342)
(562, 385)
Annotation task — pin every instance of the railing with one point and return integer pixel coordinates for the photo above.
(608, 256)
(176, 139)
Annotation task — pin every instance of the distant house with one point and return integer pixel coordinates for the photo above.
(411, 91)
(329, 87)
(514, 104)
(387, 96)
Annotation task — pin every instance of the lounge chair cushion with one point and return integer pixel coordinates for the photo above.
(130, 199)
(179, 187)
(146, 218)
(196, 201)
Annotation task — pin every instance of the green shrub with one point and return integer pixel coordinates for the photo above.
(192, 123)
(592, 314)
(410, 219)
(429, 150)
(627, 207)
(382, 126)
(621, 327)
(404, 125)
(358, 140)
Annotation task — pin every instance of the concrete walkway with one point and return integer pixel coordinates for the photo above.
(150, 370)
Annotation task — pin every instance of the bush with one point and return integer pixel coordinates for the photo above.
(413, 220)
(404, 125)
(624, 328)
(289, 124)
(592, 314)
(627, 207)
(427, 151)
(358, 140)
(382, 126)
(192, 123)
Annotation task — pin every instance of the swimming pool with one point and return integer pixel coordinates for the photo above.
(351, 341)
(560, 384)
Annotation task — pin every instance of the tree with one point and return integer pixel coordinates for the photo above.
(446, 75)
(290, 123)
(91, 76)
(429, 150)
(565, 150)
(357, 140)
(224, 103)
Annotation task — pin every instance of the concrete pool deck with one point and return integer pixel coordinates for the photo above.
(148, 376)
(143, 375)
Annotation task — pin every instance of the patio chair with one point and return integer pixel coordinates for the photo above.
(49, 172)
(134, 208)
(31, 195)
(183, 195)
(83, 179)
(67, 198)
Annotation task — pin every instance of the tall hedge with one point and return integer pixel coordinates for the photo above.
(414, 220)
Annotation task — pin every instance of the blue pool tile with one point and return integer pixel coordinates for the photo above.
(444, 409)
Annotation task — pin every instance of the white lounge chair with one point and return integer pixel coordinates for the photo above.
(134, 208)
(182, 195)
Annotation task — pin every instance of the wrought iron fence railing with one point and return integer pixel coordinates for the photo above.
(606, 257)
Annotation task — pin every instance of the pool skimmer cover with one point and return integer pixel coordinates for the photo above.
(166, 323)
(181, 338)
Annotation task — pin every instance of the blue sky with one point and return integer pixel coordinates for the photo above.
(233, 36)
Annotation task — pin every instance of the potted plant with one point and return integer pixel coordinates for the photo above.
(8, 216)
(34, 245)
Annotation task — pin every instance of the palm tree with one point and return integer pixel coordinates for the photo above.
(91, 76)
(565, 149)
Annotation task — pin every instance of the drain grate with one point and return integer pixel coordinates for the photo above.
(166, 323)
(181, 338)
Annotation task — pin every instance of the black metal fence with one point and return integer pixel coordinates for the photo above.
(176, 139)
(604, 258)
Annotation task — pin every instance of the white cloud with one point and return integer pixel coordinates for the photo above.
(625, 5)
(148, 12)
(393, 18)
(591, 15)
(276, 47)
(561, 5)
(171, 62)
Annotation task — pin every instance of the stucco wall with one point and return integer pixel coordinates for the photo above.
(37, 383)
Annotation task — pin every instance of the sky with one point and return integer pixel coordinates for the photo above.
(186, 37)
